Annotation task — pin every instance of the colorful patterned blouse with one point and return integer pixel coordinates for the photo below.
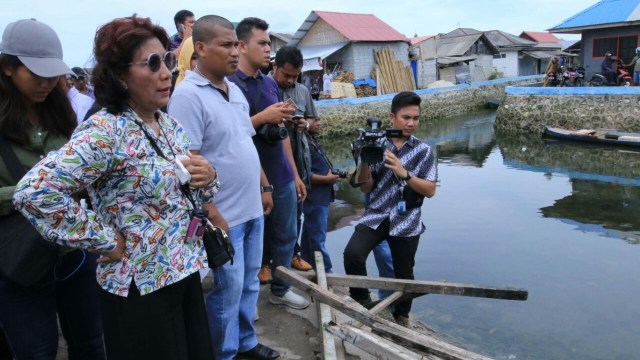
(132, 189)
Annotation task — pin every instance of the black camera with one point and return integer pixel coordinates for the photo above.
(370, 145)
(341, 173)
(272, 133)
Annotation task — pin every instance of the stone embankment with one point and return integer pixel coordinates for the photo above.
(345, 116)
(529, 109)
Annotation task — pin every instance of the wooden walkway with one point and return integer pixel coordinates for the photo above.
(345, 323)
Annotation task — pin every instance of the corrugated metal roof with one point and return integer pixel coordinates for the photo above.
(503, 39)
(539, 36)
(602, 13)
(361, 27)
(321, 51)
(458, 42)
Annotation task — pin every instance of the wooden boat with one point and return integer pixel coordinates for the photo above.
(599, 136)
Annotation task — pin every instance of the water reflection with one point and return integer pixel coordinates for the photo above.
(526, 212)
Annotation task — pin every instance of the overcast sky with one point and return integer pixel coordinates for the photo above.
(76, 21)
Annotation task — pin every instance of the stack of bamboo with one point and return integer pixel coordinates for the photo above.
(391, 74)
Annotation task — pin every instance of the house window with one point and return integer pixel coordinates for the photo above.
(499, 56)
(622, 46)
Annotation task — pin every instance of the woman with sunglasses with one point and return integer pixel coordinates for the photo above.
(126, 156)
(36, 118)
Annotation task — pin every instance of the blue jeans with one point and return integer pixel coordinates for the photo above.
(636, 77)
(314, 234)
(281, 232)
(231, 304)
(28, 315)
(384, 263)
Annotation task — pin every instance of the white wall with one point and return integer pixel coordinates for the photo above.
(508, 65)
(427, 73)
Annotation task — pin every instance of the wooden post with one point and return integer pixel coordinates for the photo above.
(324, 313)
(378, 324)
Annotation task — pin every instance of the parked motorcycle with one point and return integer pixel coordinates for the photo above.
(573, 76)
(623, 76)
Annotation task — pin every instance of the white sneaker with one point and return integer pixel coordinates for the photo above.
(289, 299)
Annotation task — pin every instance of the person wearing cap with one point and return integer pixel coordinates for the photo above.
(38, 118)
(608, 68)
(126, 156)
(81, 82)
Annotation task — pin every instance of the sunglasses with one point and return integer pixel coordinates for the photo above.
(154, 61)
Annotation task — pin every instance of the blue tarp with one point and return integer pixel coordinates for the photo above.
(367, 81)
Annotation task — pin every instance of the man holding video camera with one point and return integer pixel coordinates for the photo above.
(397, 184)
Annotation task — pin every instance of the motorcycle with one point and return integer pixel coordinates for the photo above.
(573, 76)
(623, 76)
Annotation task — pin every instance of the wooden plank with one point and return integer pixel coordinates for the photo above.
(378, 81)
(385, 302)
(324, 313)
(378, 324)
(416, 288)
(379, 347)
(431, 287)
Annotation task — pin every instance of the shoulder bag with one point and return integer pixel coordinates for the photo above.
(216, 241)
(26, 258)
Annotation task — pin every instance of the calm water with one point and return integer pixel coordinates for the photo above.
(559, 220)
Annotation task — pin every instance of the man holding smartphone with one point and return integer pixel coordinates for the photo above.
(184, 21)
(286, 70)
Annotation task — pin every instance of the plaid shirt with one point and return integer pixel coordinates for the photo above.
(417, 158)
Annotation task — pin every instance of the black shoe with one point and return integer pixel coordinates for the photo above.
(260, 352)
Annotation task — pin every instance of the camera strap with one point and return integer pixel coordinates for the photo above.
(183, 187)
(321, 152)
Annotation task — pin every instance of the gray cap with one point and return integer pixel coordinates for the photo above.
(36, 45)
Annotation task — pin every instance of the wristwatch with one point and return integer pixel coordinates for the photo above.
(408, 177)
(268, 188)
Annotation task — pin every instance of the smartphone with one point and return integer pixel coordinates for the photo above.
(291, 103)
(180, 28)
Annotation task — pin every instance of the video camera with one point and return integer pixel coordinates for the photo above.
(370, 145)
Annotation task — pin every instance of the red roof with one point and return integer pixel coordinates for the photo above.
(361, 27)
(419, 39)
(539, 36)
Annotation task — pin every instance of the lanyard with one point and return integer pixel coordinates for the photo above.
(183, 187)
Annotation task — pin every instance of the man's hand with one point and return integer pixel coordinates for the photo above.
(331, 178)
(202, 173)
(393, 163)
(267, 203)
(277, 113)
(186, 32)
(115, 254)
(300, 189)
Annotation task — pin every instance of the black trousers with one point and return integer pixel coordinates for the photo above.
(403, 252)
(169, 323)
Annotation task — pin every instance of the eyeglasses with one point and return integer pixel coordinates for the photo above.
(154, 61)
